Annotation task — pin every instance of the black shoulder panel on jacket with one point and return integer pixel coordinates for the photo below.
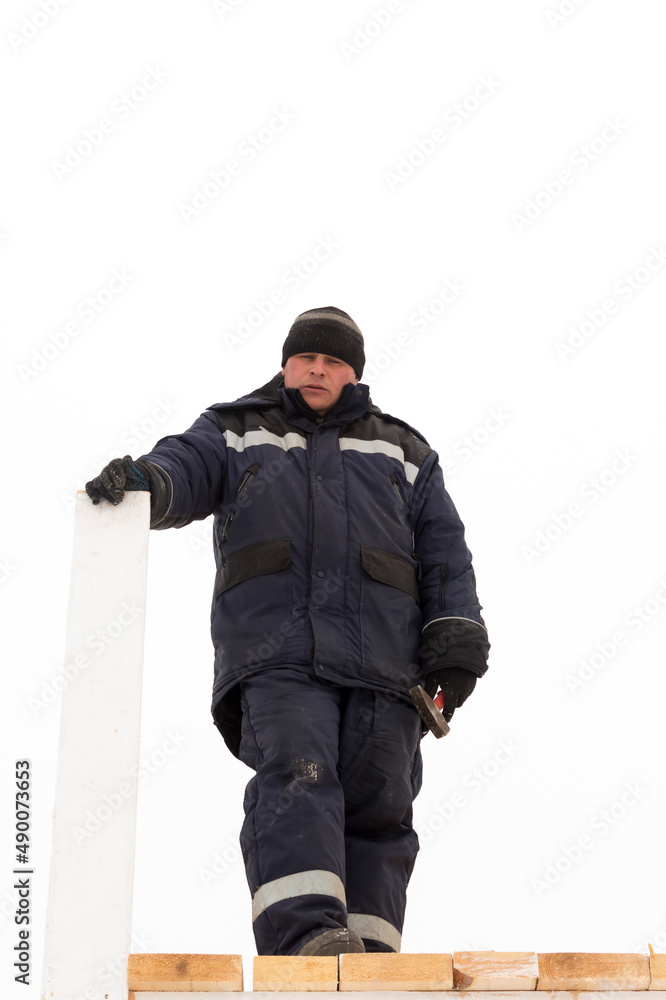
(266, 395)
(233, 416)
(241, 420)
(395, 420)
(375, 425)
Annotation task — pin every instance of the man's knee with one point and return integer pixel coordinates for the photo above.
(385, 807)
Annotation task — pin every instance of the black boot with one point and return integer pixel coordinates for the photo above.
(335, 941)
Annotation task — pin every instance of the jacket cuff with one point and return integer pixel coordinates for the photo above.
(161, 494)
(455, 642)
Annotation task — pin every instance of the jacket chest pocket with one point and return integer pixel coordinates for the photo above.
(390, 615)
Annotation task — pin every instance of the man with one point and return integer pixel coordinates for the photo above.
(343, 579)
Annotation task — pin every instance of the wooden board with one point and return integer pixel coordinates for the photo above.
(89, 906)
(416, 995)
(295, 972)
(495, 970)
(658, 972)
(593, 971)
(178, 973)
(384, 971)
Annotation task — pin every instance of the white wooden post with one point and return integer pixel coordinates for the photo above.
(89, 909)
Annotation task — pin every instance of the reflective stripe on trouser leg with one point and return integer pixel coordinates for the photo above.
(293, 834)
(375, 929)
(380, 771)
(318, 883)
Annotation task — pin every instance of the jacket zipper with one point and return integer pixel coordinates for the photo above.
(312, 457)
(247, 479)
(394, 483)
(244, 484)
(442, 588)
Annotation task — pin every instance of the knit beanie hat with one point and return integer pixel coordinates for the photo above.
(326, 331)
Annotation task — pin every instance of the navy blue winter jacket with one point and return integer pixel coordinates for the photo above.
(337, 547)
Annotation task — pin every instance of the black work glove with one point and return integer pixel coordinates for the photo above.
(457, 685)
(119, 475)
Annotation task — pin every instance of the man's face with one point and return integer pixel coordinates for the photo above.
(319, 377)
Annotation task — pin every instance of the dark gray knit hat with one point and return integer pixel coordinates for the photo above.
(326, 331)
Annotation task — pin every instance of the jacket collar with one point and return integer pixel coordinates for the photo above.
(354, 402)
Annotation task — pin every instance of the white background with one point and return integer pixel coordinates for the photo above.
(581, 93)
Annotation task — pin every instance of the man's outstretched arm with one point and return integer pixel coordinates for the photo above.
(184, 474)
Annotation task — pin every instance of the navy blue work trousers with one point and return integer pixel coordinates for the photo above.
(327, 838)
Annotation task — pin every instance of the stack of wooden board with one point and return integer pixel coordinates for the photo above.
(465, 972)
